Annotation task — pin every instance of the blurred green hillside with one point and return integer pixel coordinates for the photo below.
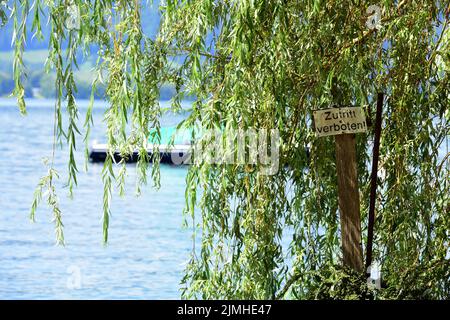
(40, 84)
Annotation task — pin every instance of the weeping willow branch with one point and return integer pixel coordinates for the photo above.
(288, 59)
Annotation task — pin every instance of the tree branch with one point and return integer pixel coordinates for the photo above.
(286, 287)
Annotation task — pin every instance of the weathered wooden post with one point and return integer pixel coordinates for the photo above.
(348, 193)
(343, 123)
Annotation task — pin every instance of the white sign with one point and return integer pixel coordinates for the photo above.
(334, 121)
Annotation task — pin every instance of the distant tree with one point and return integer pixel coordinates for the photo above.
(268, 64)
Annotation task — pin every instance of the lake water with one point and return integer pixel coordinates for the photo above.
(147, 248)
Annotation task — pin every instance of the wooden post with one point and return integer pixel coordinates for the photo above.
(346, 166)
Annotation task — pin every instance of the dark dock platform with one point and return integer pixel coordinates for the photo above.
(176, 154)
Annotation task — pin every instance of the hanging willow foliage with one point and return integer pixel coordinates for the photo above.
(267, 64)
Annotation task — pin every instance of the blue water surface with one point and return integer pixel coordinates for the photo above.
(147, 249)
